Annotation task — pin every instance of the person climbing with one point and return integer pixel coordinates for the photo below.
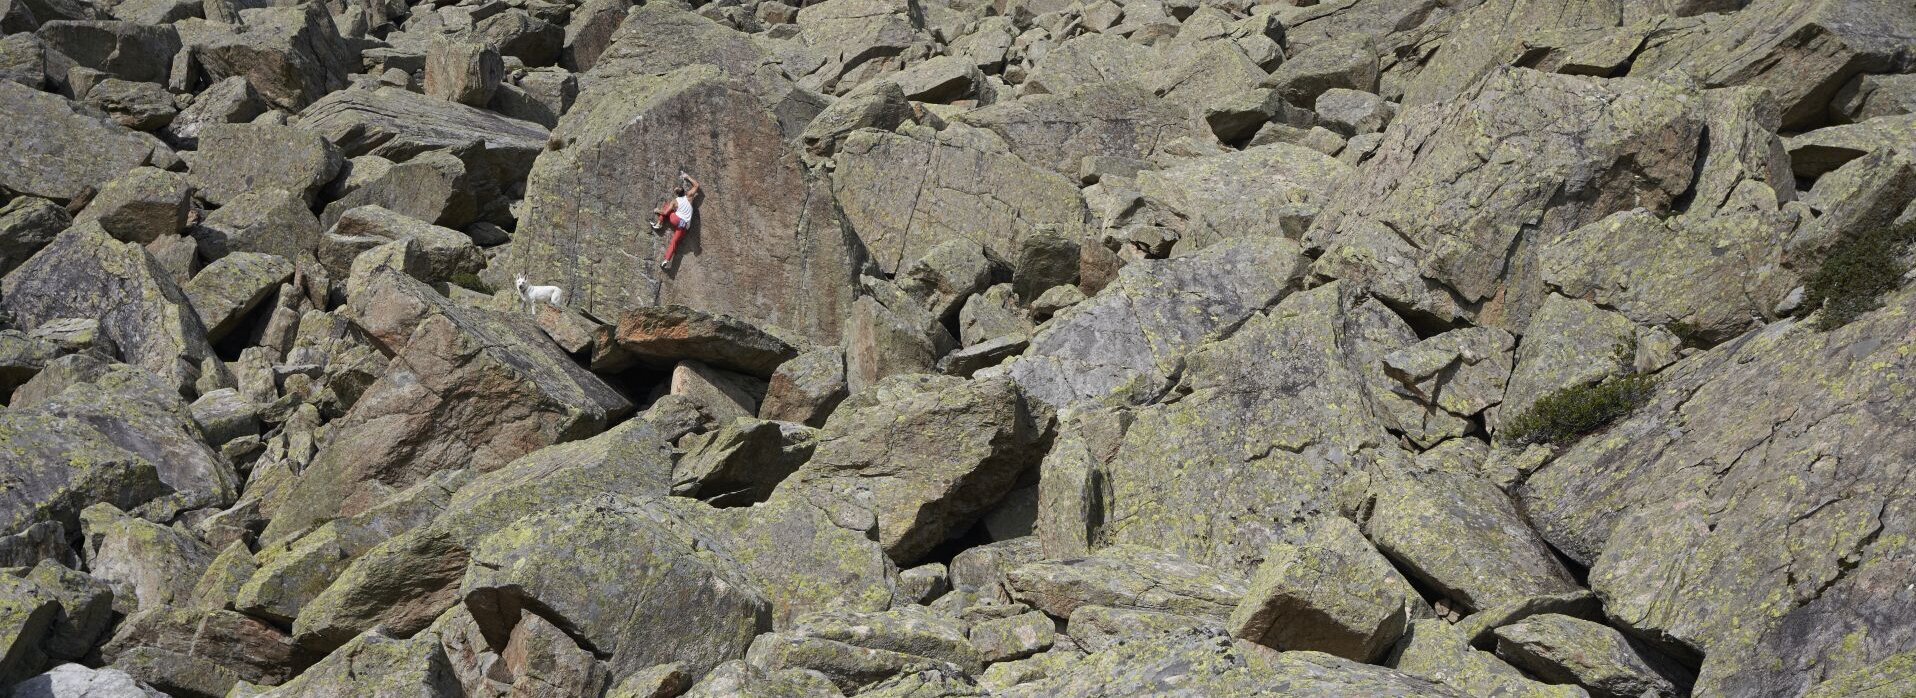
(676, 214)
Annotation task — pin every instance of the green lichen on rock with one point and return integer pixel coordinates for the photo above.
(1857, 272)
(1562, 416)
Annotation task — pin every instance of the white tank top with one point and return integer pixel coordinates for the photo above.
(685, 210)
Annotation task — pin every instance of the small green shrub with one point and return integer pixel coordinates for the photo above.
(1564, 415)
(1857, 273)
(471, 282)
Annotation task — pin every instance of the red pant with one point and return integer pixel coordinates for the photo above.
(670, 219)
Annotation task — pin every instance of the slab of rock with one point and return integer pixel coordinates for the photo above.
(268, 221)
(141, 206)
(951, 272)
(1464, 537)
(1057, 131)
(1132, 337)
(126, 50)
(1330, 592)
(234, 159)
(1566, 650)
(86, 273)
(1013, 638)
(1091, 59)
(141, 106)
(230, 288)
(436, 187)
(928, 465)
(467, 72)
(397, 125)
(1202, 663)
(903, 192)
(590, 32)
(1128, 577)
(147, 564)
(27, 224)
(1577, 343)
(1272, 190)
(1435, 229)
(77, 681)
(742, 461)
(229, 101)
(466, 389)
(183, 650)
(890, 334)
(663, 335)
(52, 149)
(806, 389)
(1435, 651)
(581, 232)
(1645, 503)
(292, 56)
(714, 617)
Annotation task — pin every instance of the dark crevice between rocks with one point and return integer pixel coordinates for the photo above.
(642, 385)
(1684, 200)
(943, 553)
(1424, 323)
(1578, 571)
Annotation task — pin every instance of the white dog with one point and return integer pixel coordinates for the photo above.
(535, 294)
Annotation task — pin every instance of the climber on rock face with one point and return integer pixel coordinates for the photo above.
(676, 214)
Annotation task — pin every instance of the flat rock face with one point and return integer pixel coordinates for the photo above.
(85, 273)
(1445, 218)
(904, 193)
(51, 149)
(1627, 504)
(762, 228)
(407, 419)
(1132, 338)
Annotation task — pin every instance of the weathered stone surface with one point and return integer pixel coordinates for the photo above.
(698, 610)
(927, 465)
(742, 461)
(48, 148)
(578, 230)
(1200, 663)
(1712, 274)
(1566, 650)
(440, 252)
(951, 272)
(126, 50)
(1272, 190)
(140, 206)
(1128, 577)
(1435, 651)
(1058, 131)
(141, 106)
(291, 55)
(890, 334)
(806, 389)
(1462, 536)
(229, 101)
(267, 221)
(1017, 637)
(590, 32)
(1045, 259)
(1090, 59)
(436, 187)
(1329, 592)
(1802, 52)
(1433, 226)
(230, 288)
(1351, 112)
(375, 665)
(234, 159)
(186, 641)
(663, 335)
(397, 125)
(467, 72)
(880, 105)
(466, 389)
(906, 630)
(739, 679)
(27, 224)
(1131, 338)
(1871, 96)
(904, 192)
(148, 565)
(85, 273)
(1577, 343)
(77, 681)
(1632, 503)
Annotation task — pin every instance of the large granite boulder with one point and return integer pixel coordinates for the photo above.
(1058, 131)
(668, 334)
(466, 389)
(51, 148)
(1445, 220)
(1200, 663)
(1329, 592)
(904, 192)
(763, 229)
(683, 606)
(126, 50)
(291, 55)
(85, 273)
(1271, 190)
(1131, 338)
(926, 465)
(1687, 490)
(396, 124)
(236, 159)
